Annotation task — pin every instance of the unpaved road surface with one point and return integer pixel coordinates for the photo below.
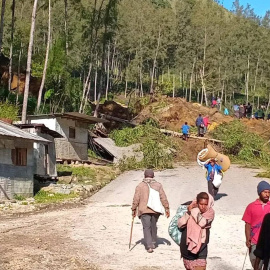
(96, 235)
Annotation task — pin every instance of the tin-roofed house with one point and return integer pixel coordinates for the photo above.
(17, 161)
(73, 127)
(44, 154)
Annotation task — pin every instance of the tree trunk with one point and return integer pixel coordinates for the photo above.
(46, 59)
(247, 79)
(191, 79)
(2, 23)
(66, 25)
(95, 89)
(84, 96)
(29, 60)
(256, 73)
(173, 85)
(108, 73)
(87, 96)
(141, 81)
(11, 46)
(155, 61)
(19, 75)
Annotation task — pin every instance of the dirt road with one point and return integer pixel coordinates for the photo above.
(96, 235)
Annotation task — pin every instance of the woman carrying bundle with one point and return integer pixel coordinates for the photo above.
(195, 237)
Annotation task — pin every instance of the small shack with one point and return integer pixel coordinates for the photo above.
(73, 126)
(17, 161)
(44, 154)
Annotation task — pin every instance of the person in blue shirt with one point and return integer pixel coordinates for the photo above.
(212, 167)
(185, 130)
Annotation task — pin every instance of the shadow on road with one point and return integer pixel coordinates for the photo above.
(160, 241)
(220, 195)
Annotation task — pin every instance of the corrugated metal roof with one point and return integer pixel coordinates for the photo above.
(42, 127)
(8, 130)
(72, 115)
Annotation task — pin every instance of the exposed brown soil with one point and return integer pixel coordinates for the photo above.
(171, 113)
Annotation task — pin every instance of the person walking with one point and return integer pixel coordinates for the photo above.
(262, 251)
(206, 123)
(148, 216)
(253, 218)
(212, 168)
(196, 224)
(185, 131)
(219, 103)
(242, 111)
(200, 125)
(249, 110)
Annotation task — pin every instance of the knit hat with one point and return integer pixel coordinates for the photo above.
(263, 185)
(149, 173)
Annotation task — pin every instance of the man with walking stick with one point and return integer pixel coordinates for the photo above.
(143, 196)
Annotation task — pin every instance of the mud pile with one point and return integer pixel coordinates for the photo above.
(172, 113)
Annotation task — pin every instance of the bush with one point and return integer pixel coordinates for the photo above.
(242, 144)
(154, 145)
(9, 111)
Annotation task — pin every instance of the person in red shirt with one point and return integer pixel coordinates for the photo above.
(206, 123)
(253, 218)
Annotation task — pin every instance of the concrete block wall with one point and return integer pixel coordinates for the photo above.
(24, 187)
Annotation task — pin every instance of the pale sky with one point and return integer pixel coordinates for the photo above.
(259, 6)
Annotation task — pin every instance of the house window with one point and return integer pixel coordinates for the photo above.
(19, 156)
(72, 133)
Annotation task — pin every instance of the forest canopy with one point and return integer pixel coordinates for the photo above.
(100, 48)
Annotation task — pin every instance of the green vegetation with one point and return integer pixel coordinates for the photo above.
(155, 147)
(8, 111)
(76, 171)
(47, 197)
(242, 145)
(92, 175)
(18, 197)
(137, 47)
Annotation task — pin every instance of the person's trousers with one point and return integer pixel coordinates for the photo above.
(212, 189)
(149, 222)
(252, 257)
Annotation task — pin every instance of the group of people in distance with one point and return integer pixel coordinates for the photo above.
(195, 224)
(243, 110)
(201, 123)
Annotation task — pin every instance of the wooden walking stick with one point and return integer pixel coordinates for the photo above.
(130, 238)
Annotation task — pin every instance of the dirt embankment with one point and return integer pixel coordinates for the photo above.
(171, 113)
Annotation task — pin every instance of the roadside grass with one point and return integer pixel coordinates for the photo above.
(18, 197)
(47, 197)
(77, 171)
(265, 174)
(95, 175)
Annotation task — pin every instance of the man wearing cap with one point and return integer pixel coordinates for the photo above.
(148, 216)
(253, 217)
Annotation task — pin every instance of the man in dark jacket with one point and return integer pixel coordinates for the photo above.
(200, 125)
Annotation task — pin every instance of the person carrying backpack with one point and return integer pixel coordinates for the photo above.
(200, 125)
(148, 216)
